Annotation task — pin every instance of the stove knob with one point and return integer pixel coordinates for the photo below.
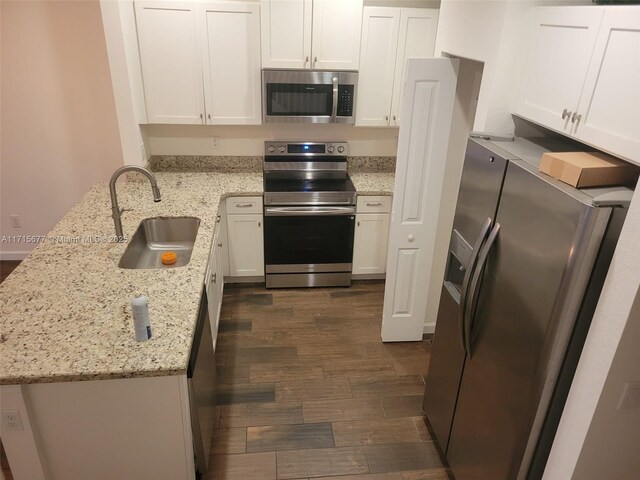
(281, 149)
(340, 149)
(271, 149)
(330, 149)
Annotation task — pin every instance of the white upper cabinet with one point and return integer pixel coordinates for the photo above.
(337, 25)
(582, 76)
(231, 61)
(417, 39)
(286, 33)
(389, 37)
(559, 56)
(380, 27)
(608, 114)
(317, 34)
(200, 61)
(170, 59)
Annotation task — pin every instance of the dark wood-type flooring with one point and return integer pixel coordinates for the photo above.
(308, 390)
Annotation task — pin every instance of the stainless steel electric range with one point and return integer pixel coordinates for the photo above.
(309, 214)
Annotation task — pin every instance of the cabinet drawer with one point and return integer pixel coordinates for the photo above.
(374, 204)
(236, 205)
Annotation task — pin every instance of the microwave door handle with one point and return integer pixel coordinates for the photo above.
(334, 109)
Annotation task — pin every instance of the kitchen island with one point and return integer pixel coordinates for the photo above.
(69, 362)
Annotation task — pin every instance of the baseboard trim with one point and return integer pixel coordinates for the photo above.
(429, 328)
(15, 255)
(368, 276)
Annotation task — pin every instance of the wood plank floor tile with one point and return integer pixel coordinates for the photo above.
(321, 462)
(402, 456)
(249, 299)
(370, 368)
(232, 374)
(246, 415)
(337, 350)
(289, 437)
(245, 393)
(367, 476)
(421, 426)
(246, 339)
(322, 341)
(302, 390)
(250, 355)
(414, 365)
(246, 466)
(398, 349)
(431, 474)
(402, 406)
(229, 440)
(274, 372)
(367, 432)
(231, 326)
(339, 410)
(294, 297)
(389, 386)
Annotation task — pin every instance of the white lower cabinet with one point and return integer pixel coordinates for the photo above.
(371, 235)
(245, 242)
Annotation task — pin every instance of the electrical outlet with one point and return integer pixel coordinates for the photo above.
(11, 420)
(15, 221)
(630, 396)
(215, 143)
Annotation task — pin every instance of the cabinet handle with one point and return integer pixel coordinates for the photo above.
(220, 244)
(565, 113)
(218, 218)
(372, 204)
(358, 223)
(214, 277)
(306, 60)
(575, 117)
(259, 224)
(209, 116)
(394, 118)
(386, 118)
(244, 205)
(315, 60)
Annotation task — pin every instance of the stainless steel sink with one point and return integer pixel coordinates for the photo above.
(157, 235)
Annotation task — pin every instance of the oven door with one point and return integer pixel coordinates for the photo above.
(308, 239)
(308, 96)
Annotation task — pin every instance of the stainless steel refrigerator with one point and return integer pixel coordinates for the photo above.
(527, 259)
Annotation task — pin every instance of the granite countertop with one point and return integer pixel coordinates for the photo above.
(65, 311)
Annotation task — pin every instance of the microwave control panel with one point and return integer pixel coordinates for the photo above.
(345, 100)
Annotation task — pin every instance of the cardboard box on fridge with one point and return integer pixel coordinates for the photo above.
(588, 169)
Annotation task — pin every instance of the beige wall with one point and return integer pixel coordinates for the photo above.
(58, 122)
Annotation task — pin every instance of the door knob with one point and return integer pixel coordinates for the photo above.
(411, 238)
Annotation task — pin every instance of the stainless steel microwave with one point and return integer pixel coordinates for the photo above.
(307, 96)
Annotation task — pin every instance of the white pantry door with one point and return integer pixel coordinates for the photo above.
(422, 151)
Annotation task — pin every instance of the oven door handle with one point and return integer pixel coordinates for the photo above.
(307, 211)
(334, 108)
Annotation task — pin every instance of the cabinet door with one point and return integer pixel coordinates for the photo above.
(417, 39)
(370, 243)
(422, 150)
(562, 42)
(610, 103)
(170, 60)
(231, 59)
(337, 25)
(380, 27)
(286, 33)
(246, 250)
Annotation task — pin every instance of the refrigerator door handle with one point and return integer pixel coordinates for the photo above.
(474, 287)
(484, 231)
